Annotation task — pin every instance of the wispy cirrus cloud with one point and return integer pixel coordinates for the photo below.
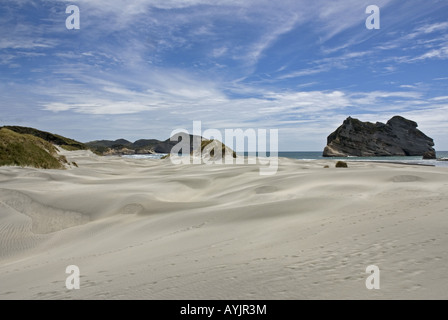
(26, 43)
(327, 64)
(429, 38)
(299, 65)
(439, 53)
(426, 29)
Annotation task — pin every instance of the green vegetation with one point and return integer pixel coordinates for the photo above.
(98, 150)
(205, 143)
(63, 142)
(142, 146)
(27, 150)
(341, 164)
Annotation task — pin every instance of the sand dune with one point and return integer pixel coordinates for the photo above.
(152, 230)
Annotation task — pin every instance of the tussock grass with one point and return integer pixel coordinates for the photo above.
(341, 164)
(205, 143)
(26, 150)
(65, 143)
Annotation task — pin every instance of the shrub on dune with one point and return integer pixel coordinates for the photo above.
(341, 164)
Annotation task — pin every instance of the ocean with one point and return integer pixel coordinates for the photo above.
(410, 160)
(315, 155)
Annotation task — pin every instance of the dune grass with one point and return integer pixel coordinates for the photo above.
(205, 143)
(27, 150)
(63, 142)
(341, 164)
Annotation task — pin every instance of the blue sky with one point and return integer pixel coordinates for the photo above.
(140, 69)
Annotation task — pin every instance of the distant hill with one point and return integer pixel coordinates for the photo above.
(109, 143)
(24, 150)
(142, 146)
(208, 148)
(65, 143)
(23, 146)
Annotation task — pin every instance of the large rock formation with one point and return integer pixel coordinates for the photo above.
(398, 137)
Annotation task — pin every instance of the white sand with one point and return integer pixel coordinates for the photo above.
(146, 229)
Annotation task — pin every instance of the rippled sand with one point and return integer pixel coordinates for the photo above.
(146, 229)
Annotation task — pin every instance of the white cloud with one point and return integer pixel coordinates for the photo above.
(428, 28)
(308, 84)
(162, 20)
(26, 43)
(306, 72)
(122, 66)
(441, 53)
(269, 38)
(429, 37)
(327, 64)
(175, 95)
(219, 52)
(440, 98)
(390, 68)
(340, 15)
(99, 107)
(374, 98)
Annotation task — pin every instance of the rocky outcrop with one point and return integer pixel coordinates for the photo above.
(213, 150)
(429, 155)
(398, 137)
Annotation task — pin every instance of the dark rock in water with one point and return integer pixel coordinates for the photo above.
(398, 137)
(429, 155)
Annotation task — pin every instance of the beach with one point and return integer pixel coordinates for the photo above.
(148, 229)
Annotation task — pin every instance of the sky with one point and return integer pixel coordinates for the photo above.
(143, 68)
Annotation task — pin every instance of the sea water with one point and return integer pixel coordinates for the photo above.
(145, 156)
(408, 160)
(316, 155)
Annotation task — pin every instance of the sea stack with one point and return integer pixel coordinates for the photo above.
(398, 137)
